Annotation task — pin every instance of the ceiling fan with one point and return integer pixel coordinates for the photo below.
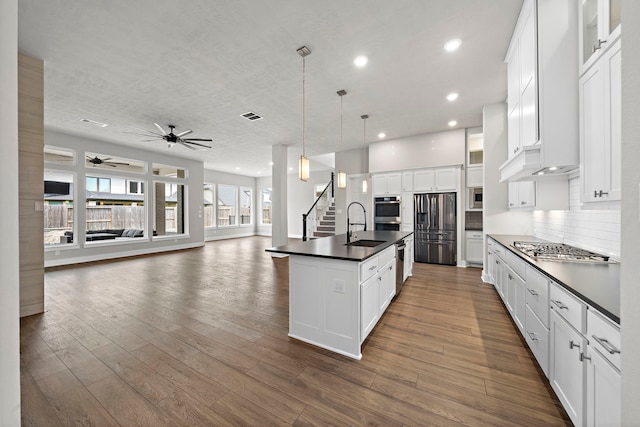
(96, 161)
(175, 138)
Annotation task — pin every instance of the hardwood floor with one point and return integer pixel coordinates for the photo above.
(199, 337)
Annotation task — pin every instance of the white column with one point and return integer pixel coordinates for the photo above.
(9, 261)
(279, 220)
(630, 222)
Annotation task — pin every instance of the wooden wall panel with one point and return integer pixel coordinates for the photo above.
(30, 166)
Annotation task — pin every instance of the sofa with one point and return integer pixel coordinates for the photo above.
(107, 234)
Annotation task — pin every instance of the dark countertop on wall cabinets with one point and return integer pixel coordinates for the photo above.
(598, 284)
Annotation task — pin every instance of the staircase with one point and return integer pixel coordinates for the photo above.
(327, 224)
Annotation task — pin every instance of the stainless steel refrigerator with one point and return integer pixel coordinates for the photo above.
(435, 228)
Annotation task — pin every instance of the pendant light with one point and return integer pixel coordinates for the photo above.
(342, 176)
(303, 164)
(365, 183)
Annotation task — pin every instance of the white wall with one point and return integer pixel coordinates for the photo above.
(594, 230)
(352, 162)
(215, 177)
(496, 217)
(419, 151)
(81, 252)
(9, 262)
(630, 240)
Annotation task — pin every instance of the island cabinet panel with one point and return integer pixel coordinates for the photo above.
(325, 304)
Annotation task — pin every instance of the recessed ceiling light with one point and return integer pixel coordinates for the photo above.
(237, 168)
(452, 96)
(270, 163)
(93, 122)
(382, 135)
(452, 45)
(452, 123)
(361, 61)
(259, 172)
(553, 168)
(290, 168)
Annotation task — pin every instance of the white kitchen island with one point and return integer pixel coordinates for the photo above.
(338, 292)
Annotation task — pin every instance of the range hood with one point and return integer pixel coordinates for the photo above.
(531, 162)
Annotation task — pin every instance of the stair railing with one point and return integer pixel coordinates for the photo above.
(305, 216)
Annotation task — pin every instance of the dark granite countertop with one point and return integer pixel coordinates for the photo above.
(334, 247)
(598, 284)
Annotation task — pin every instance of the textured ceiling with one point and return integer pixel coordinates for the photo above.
(200, 64)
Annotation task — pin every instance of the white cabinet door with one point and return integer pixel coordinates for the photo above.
(510, 291)
(600, 27)
(566, 370)
(520, 307)
(387, 285)
(407, 181)
(379, 184)
(407, 210)
(446, 179)
(493, 262)
(474, 246)
(600, 129)
(513, 131)
(394, 183)
(369, 308)
(424, 180)
(603, 392)
(522, 194)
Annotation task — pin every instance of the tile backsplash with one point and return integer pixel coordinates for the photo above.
(595, 230)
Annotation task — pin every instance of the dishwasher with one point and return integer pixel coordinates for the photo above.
(400, 250)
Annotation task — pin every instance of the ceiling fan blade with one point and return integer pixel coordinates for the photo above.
(150, 134)
(117, 163)
(181, 142)
(110, 164)
(150, 140)
(160, 127)
(198, 139)
(196, 143)
(186, 132)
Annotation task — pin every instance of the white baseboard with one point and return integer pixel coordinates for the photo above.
(486, 278)
(123, 254)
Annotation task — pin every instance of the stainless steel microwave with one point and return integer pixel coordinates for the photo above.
(475, 198)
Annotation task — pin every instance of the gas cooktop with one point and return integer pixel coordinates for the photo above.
(558, 252)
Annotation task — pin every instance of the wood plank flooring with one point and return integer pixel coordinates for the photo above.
(199, 337)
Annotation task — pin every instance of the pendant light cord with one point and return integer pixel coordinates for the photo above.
(303, 104)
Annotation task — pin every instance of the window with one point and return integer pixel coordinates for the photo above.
(98, 185)
(111, 212)
(246, 198)
(58, 208)
(266, 206)
(169, 208)
(209, 205)
(227, 205)
(136, 187)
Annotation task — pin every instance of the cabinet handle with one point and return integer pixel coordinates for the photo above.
(373, 267)
(532, 292)
(532, 336)
(380, 279)
(497, 262)
(583, 357)
(602, 193)
(511, 204)
(595, 193)
(572, 345)
(560, 305)
(606, 344)
(391, 267)
(597, 46)
(510, 276)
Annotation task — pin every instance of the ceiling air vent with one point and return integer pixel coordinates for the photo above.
(251, 116)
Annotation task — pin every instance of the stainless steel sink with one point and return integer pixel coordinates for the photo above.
(367, 243)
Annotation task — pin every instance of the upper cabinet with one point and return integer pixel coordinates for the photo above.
(542, 91)
(600, 128)
(387, 184)
(444, 179)
(599, 28)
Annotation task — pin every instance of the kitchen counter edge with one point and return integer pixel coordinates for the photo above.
(585, 280)
(333, 247)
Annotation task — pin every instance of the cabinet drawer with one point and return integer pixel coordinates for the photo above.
(537, 337)
(499, 250)
(568, 307)
(473, 234)
(517, 264)
(491, 243)
(386, 255)
(369, 267)
(605, 336)
(537, 294)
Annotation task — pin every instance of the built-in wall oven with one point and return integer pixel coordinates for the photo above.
(387, 213)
